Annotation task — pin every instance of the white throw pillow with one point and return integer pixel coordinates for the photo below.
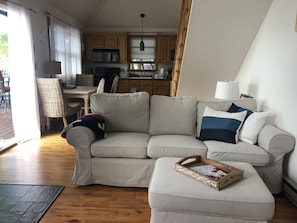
(252, 127)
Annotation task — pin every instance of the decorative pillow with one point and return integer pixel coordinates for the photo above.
(220, 125)
(95, 122)
(252, 127)
(234, 108)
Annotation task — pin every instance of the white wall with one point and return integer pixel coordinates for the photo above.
(269, 72)
(254, 42)
(219, 36)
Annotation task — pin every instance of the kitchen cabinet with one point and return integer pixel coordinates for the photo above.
(123, 86)
(153, 87)
(88, 45)
(111, 41)
(123, 47)
(105, 41)
(128, 85)
(165, 48)
(162, 87)
(148, 86)
(99, 41)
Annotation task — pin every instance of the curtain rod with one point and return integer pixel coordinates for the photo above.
(47, 13)
(18, 4)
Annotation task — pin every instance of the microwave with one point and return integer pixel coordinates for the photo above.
(106, 56)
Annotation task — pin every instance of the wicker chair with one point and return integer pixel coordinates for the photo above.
(85, 80)
(54, 104)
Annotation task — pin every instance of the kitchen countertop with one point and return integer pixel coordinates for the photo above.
(143, 78)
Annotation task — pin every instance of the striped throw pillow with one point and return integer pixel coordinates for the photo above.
(221, 126)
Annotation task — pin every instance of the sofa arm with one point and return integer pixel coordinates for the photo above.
(277, 143)
(81, 138)
(275, 140)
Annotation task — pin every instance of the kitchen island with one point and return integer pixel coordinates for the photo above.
(148, 84)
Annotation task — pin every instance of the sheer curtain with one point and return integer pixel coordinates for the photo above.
(66, 47)
(24, 100)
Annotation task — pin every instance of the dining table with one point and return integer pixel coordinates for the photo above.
(83, 92)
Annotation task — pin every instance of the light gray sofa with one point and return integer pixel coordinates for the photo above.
(140, 129)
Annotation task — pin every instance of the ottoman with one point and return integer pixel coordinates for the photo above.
(176, 198)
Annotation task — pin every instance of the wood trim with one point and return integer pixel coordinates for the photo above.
(180, 43)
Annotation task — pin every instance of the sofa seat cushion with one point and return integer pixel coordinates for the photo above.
(121, 144)
(175, 146)
(240, 152)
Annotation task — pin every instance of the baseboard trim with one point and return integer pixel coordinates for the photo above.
(290, 190)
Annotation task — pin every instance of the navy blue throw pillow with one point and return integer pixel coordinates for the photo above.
(234, 108)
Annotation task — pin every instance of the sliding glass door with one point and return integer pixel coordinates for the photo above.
(19, 105)
(6, 126)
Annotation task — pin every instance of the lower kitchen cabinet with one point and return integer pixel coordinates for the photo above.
(153, 87)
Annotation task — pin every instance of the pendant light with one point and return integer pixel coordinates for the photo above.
(141, 42)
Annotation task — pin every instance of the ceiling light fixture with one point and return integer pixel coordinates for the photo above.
(141, 42)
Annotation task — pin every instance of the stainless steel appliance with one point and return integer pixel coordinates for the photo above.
(106, 55)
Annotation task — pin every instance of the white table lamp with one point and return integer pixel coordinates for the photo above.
(228, 90)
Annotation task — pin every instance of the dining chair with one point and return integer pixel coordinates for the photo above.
(4, 92)
(114, 85)
(54, 104)
(100, 88)
(85, 80)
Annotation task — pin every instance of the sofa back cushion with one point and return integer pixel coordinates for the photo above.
(123, 112)
(248, 103)
(173, 115)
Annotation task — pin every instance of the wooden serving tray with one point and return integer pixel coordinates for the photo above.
(198, 168)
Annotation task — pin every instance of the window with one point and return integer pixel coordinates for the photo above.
(142, 60)
(66, 48)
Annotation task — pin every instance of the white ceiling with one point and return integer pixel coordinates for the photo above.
(122, 15)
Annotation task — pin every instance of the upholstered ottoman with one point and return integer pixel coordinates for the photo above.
(176, 198)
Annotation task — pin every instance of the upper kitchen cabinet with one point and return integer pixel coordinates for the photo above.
(142, 60)
(123, 47)
(111, 41)
(165, 48)
(105, 41)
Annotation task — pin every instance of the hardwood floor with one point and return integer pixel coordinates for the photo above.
(51, 161)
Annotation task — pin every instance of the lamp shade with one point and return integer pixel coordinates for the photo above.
(228, 90)
(53, 67)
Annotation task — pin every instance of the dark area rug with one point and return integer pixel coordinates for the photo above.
(26, 203)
